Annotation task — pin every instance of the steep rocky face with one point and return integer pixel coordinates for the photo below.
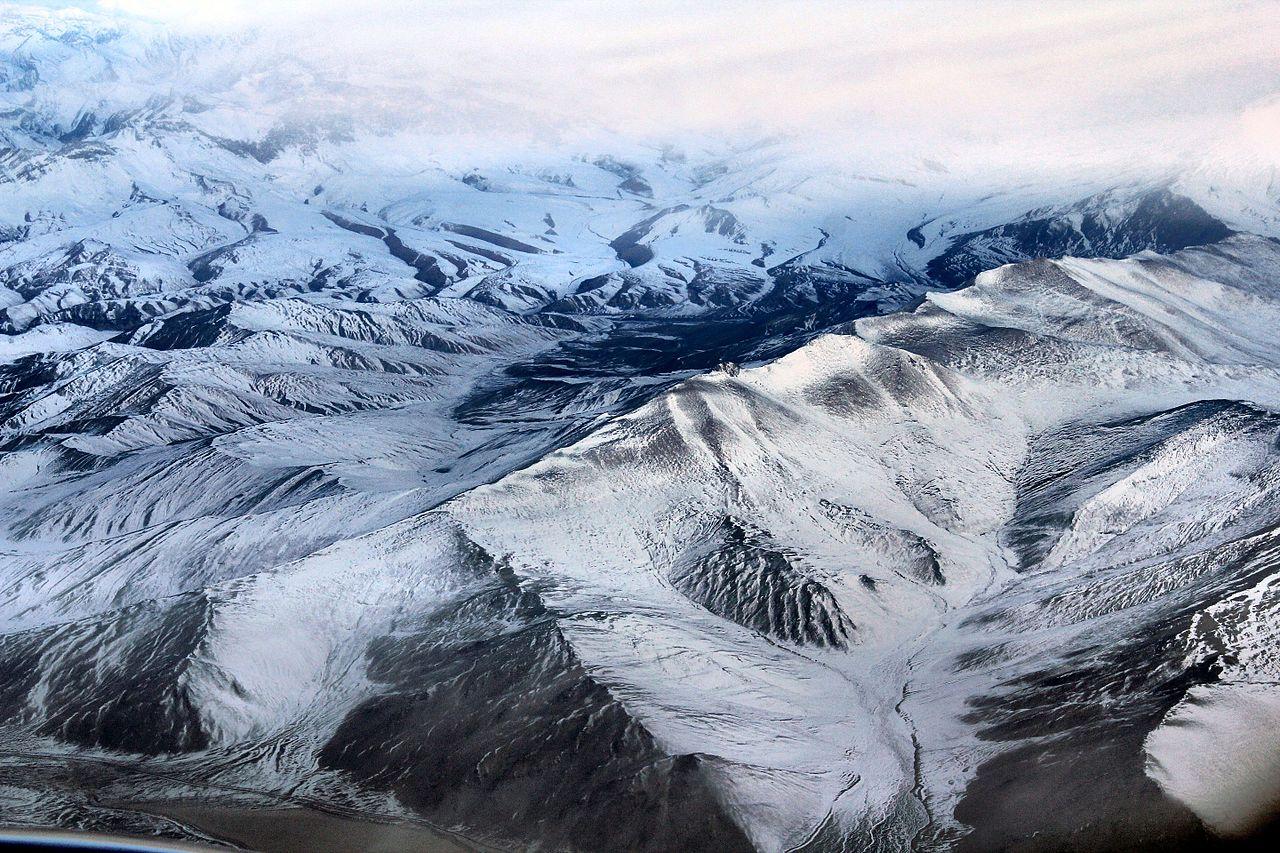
(116, 683)
(1109, 225)
(489, 720)
(740, 578)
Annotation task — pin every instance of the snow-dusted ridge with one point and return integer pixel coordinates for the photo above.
(346, 465)
(147, 173)
(1045, 466)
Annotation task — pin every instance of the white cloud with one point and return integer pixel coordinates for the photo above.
(1013, 78)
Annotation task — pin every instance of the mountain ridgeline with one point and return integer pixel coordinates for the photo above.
(643, 497)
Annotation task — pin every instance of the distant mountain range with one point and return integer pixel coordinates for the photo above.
(625, 498)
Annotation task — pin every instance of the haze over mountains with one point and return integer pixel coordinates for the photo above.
(607, 490)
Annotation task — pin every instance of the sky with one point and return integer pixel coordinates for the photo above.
(1031, 79)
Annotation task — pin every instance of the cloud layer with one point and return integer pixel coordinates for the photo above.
(1005, 80)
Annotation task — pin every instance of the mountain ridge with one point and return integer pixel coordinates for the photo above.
(615, 495)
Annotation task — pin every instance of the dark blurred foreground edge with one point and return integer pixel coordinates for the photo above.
(44, 841)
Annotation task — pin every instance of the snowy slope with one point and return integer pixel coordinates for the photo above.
(810, 600)
(147, 173)
(350, 462)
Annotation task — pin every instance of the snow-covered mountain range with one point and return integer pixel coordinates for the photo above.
(617, 495)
